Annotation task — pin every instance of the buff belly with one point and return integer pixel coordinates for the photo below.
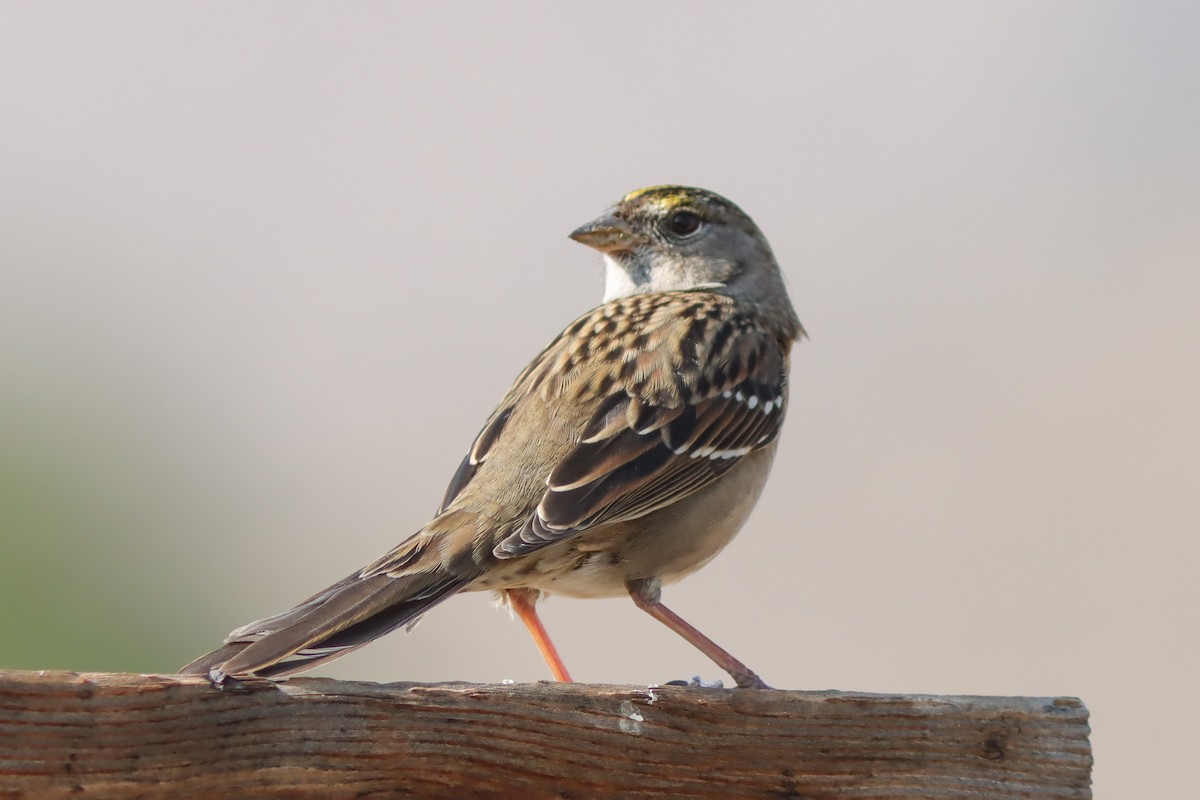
(670, 543)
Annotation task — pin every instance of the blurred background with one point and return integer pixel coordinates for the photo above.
(248, 253)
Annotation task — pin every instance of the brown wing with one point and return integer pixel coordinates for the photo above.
(642, 451)
(477, 454)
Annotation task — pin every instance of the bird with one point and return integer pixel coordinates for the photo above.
(625, 456)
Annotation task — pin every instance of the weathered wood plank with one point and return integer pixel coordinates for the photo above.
(141, 736)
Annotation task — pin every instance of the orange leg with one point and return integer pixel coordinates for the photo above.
(522, 601)
(646, 593)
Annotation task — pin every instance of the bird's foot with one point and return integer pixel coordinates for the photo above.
(698, 683)
(750, 681)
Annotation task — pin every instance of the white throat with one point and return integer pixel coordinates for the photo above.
(617, 282)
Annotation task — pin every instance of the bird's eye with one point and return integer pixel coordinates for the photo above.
(683, 223)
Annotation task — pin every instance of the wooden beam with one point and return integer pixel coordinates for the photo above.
(94, 735)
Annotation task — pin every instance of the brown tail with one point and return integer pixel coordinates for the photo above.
(347, 615)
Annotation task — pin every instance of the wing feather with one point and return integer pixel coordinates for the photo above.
(643, 451)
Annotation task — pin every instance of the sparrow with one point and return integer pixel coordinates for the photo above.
(626, 455)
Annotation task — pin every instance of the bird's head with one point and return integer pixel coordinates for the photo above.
(673, 238)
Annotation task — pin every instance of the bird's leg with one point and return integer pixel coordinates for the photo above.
(646, 594)
(523, 602)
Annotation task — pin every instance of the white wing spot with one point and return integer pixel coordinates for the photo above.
(725, 455)
(768, 406)
(753, 401)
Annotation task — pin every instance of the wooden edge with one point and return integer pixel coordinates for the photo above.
(128, 735)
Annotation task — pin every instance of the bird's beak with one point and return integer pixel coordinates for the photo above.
(608, 234)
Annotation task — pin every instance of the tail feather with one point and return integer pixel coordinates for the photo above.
(354, 611)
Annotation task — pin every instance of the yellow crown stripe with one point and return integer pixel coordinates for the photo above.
(667, 196)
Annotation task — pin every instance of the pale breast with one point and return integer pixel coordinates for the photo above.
(670, 543)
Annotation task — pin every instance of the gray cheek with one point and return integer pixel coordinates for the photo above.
(639, 273)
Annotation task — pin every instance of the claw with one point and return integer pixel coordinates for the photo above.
(698, 683)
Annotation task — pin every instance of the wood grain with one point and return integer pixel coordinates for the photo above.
(95, 735)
